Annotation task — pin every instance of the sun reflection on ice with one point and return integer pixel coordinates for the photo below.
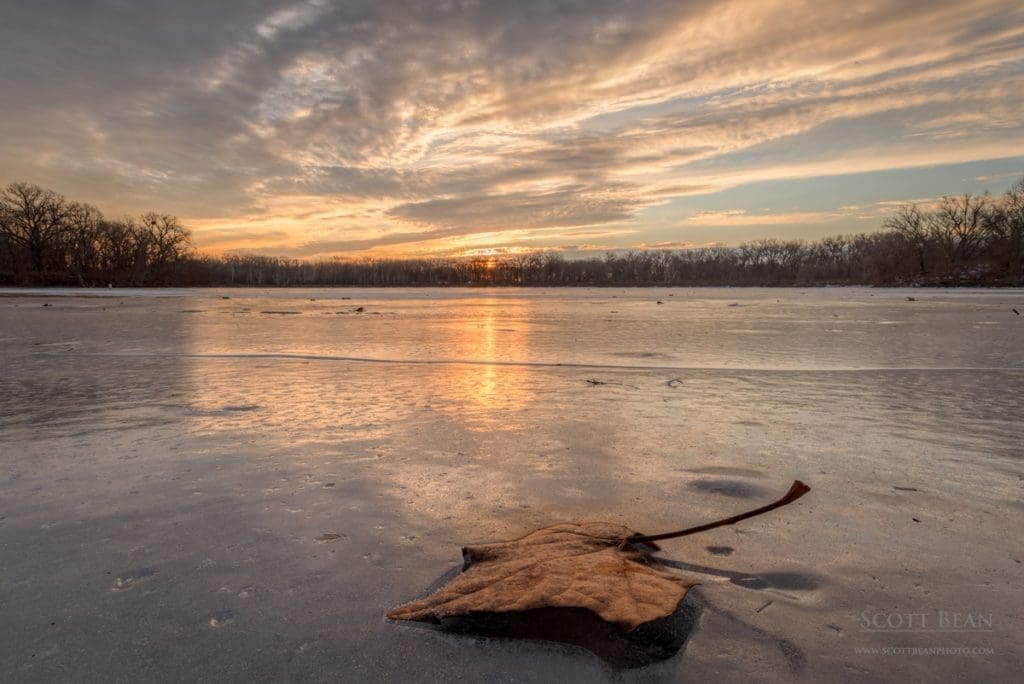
(490, 390)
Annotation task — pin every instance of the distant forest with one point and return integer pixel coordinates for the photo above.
(46, 239)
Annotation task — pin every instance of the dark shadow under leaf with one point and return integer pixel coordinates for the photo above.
(650, 643)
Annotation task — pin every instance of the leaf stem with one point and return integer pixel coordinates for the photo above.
(795, 492)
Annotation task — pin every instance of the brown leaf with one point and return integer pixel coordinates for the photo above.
(587, 565)
(604, 568)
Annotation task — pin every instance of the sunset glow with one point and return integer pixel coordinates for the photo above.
(319, 129)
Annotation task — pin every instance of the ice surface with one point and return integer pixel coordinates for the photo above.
(237, 484)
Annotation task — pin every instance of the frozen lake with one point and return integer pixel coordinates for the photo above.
(172, 459)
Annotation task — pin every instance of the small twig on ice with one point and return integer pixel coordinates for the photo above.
(620, 384)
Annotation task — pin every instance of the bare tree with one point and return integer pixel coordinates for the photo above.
(81, 237)
(168, 241)
(910, 222)
(1005, 230)
(34, 220)
(958, 226)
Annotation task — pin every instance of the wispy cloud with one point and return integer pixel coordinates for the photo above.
(312, 127)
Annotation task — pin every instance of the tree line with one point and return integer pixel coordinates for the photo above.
(971, 239)
(46, 239)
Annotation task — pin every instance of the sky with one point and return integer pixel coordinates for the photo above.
(383, 128)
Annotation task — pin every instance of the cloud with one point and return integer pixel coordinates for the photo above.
(313, 127)
(740, 217)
